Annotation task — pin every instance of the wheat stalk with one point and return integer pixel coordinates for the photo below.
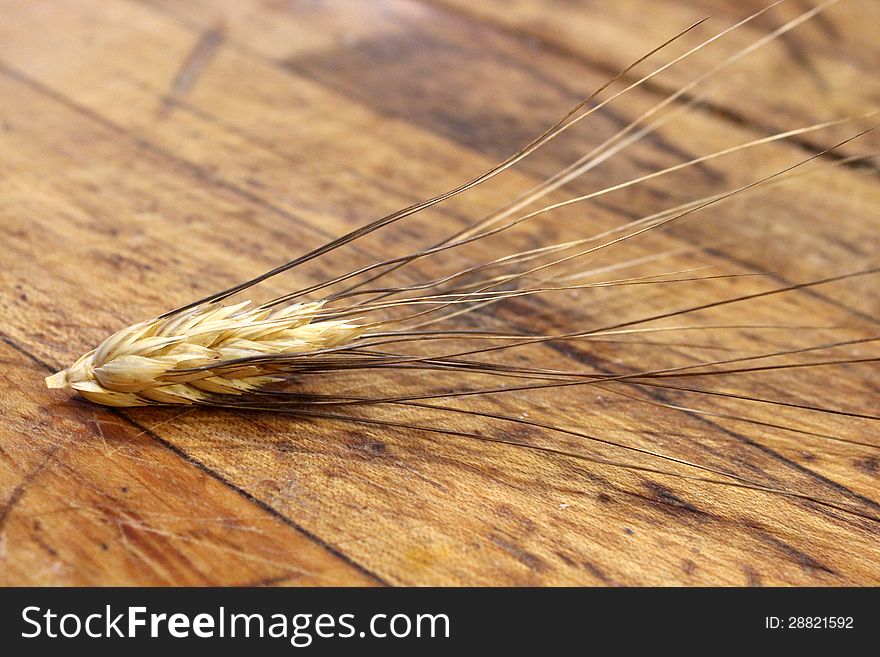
(189, 356)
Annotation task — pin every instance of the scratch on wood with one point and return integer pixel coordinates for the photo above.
(274, 581)
(193, 66)
(177, 416)
(528, 559)
(795, 555)
(19, 491)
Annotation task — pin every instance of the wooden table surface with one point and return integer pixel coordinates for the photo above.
(152, 151)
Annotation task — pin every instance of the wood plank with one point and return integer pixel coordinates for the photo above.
(89, 498)
(144, 192)
(824, 68)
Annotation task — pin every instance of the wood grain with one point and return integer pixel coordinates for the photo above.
(152, 152)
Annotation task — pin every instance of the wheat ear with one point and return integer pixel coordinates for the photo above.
(185, 357)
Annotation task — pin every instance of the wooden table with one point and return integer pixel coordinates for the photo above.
(153, 151)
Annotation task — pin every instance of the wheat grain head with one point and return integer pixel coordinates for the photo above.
(187, 357)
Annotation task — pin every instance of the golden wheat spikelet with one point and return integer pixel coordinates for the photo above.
(185, 357)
